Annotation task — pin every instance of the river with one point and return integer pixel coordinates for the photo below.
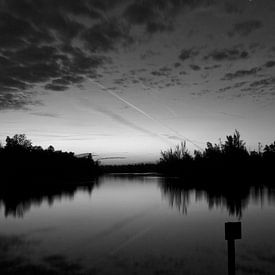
(135, 224)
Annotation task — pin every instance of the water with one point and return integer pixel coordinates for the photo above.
(135, 225)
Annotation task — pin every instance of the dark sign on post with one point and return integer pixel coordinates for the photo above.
(233, 230)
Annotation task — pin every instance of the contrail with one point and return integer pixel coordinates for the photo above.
(131, 125)
(143, 113)
(125, 101)
(146, 87)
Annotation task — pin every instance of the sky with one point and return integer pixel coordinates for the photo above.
(125, 79)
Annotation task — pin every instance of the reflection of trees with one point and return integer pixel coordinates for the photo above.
(234, 199)
(17, 200)
(176, 196)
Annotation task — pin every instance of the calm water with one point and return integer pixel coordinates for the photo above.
(135, 225)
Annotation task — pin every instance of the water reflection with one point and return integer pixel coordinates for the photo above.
(18, 198)
(234, 199)
(124, 225)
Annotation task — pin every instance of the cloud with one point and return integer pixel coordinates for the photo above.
(125, 122)
(195, 67)
(147, 13)
(241, 73)
(45, 114)
(10, 100)
(155, 15)
(42, 42)
(232, 7)
(174, 137)
(263, 83)
(212, 67)
(24, 68)
(16, 31)
(163, 71)
(245, 28)
(228, 54)
(250, 72)
(188, 53)
(112, 158)
(270, 64)
(105, 35)
(236, 85)
(55, 87)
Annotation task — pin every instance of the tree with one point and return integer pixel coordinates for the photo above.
(18, 141)
(179, 153)
(269, 151)
(234, 146)
(51, 148)
(212, 152)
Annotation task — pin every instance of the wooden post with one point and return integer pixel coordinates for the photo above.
(233, 231)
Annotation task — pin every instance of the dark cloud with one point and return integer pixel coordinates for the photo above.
(233, 7)
(38, 44)
(155, 15)
(46, 16)
(195, 67)
(188, 53)
(153, 27)
(250, 72)
(149, 54)
(81, 7)
(34, 65)
(270, 64)
(215, 66)
(245, 28)
(104, 36)
(15, 101)
(235, 86)
(55, 87)
(16, 32)
(148, 13)
(241, 73)
(263, 83)
(260, 88)
(228, 54)
(163, 71)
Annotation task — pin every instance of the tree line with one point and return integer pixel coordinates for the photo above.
(20, 159)
(227, 159)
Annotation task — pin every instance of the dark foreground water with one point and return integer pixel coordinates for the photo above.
(135, 225)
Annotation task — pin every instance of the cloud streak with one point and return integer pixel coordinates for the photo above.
(145, 114)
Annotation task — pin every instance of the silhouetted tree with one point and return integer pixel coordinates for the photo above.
(228, 159)
(234, 147)
(20, 159)
(212, 152)
(18, 140)
(179, 153)
(50, 148)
